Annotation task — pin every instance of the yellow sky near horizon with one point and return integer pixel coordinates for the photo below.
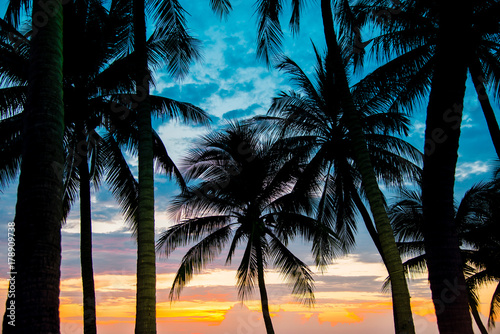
(211, 302)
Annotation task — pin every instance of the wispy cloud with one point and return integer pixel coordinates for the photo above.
(466, 170)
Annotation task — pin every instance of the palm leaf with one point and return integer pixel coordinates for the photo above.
(198, 256)
(294, 271)
(269, 33)
(122, 183)
(494, 307)
(188, 231)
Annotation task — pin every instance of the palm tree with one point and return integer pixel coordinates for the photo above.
(444, 115)
(311, 117)
(269, 41)
(93, 94)
(408, 41)
(92, 31)
(39, 210)
(403, 319)
(243, 199)
(169, 21)
(425, 46)
(475, 218)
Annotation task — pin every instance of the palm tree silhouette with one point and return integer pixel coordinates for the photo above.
(475, 218)
(269, 41)
(408, 40)
(38, 209)
(335, 62)
(93, 95)
(451, 40)
(243, 199)
(169, 20)
(311, 118)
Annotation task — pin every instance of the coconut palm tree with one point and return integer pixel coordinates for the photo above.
(269, 41)
(169, 20)
(475, 218)
(311, 117)
(408, 42)
(93, 95)
(403, 319)
(454, 51)
(243, 199)
(39, 210)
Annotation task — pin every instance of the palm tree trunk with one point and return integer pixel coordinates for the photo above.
(368, 222)
(403, 319)
(146, 266)
(489, 114)
(39, 199)
(444, 115)
(89, 309)
(263, 293)
(477, 319)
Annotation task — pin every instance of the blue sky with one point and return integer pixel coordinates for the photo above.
(231, 83)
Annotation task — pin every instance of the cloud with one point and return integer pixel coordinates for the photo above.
(417, 128)
(467, 169)
(239, 113)
(178, 138)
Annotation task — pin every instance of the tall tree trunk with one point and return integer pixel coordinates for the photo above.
(365, 215)
(89, 309)
(263, 293)
(34, 305)
(403, 319)
(482, 95)
(146, 267)
(444, 116)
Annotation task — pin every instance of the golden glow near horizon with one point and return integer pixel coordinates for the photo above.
(210, 300)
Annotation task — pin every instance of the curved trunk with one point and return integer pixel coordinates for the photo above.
(263, 293)
(368, 222)
(489, 114)
(146, 266)
(33, 304)
(403, 319)
(444, 116)
(89, 310)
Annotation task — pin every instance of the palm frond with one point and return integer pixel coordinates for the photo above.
(71, 181)
(221, 7)
(247, 271)
(325, 243)
(413, 266)
(297, 6)
(188, 231)
(269, 33)
(181, 111)
(175, 47)
(197, 257)
(164, 162)
(203, 199)
(294, 271)
(494, 307)
(10, 148)
(171, 39)
(407, 217)
(298, 77)
(239, 236)
(14, 10)
(122, 182)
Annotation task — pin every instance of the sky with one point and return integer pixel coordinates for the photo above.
(231, 83)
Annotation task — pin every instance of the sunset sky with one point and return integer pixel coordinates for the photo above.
(232, 83)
